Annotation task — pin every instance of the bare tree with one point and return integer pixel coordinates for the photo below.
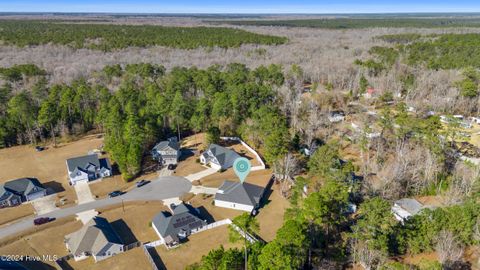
(285, 170)
(448, 248)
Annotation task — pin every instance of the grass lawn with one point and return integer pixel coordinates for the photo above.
(134, 224)
(48, 166)
(197, 246)
(46, 240)
(271, 215)
(207, 209)
(259, 178)
(132, 259)
(10, 214)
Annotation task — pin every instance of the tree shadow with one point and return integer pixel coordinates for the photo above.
(124, 231)
(53, 187)
(266, 195)
(156, 258)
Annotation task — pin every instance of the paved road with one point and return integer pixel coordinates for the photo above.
(162, 188)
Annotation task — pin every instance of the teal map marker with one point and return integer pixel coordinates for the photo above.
(242, 167)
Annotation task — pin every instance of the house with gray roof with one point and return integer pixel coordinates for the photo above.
(218, 157)
(174, 228)
(239, 196)
(16, 191)
(87, 168)
(96, 238)
(8, 199)
(405, 208)
(167, 152)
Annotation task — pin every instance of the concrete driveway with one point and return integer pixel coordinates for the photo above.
(44, 205)
(159, 189)
(84, 195)
(200, 175)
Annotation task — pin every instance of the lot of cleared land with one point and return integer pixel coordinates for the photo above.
(48, 240)
(8, 215)
(197, 246)
(132, 259)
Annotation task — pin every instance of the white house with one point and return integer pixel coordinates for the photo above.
(239, 196)
(87, 168)
(167, 152)
(218, 157)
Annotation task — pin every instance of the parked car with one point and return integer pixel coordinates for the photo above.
(142, 183)
(42, 220)
(115, 193)
(39, 148)
(171, 167)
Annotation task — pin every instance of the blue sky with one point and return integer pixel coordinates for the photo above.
(243, 6)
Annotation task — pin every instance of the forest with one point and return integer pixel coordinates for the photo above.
(107, 37)
(357, 23)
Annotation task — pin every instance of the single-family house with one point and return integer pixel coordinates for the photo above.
(239, 196)
(96, 238)
(167, 152)
(16, 191)
(8, 199)
(87, 168)
(218, 157)
(405, 208)
(173, 228)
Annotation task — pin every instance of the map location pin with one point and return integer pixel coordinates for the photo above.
(242, 167)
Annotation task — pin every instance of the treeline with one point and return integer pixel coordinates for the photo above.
(17, 72)
(109, 37)
(148, 105)
(319, 232)
(361, 22)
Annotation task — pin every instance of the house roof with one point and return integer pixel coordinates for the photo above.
(222, 154)
(412, 206)
(92, 237)
(241, 193)
(24, 186)
(6, 264)
(183, 218)
(83, 162)
(166, 145)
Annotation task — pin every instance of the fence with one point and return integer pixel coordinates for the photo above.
(146, 250)
(256, 168)
(154, 243)
(250, 238)
(132, 245)
(212, 225)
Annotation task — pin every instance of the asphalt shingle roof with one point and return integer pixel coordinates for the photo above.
(222, 154)
(184, 218)
(164, 145)
(410, 205)
(237, 192)
(83, 162)
(92, 237)
(24, 186)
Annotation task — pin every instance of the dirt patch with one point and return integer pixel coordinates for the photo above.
(10, 214)
(132, 259)
(271, 215)
(48, 166)
(197, 246)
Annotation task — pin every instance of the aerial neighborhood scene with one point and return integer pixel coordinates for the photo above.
(225, 135)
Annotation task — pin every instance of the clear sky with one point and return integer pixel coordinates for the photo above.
(241, 6)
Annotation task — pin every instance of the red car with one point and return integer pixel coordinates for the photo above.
(42, 220)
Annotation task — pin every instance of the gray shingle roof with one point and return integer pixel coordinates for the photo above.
(410, 205)
(165, 145)
(184, 218)
(83, 162)
(92, 237)
(237, 192)
(24, 186)
(222, 154)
